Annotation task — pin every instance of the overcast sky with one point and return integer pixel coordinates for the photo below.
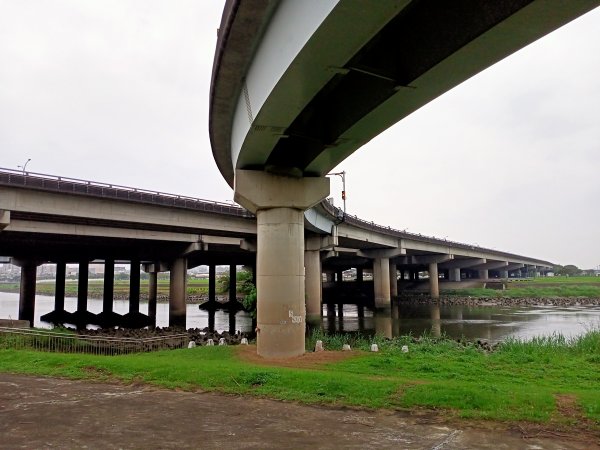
(117, 91)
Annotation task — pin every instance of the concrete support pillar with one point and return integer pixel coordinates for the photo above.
(212, 283)
(232, 283)
(109, 285)
(434, 287)
(152, 296)
(381, 282)
(393, 281)
(177, 293)
(359, 275)
(59, 290)
(27, 292)
(82, 287)
(454, 274)
(134, 286)
(330, 277)
(279, 203)
(504, 274)
(281, 308)
(313, 285)
(339, 277)
(436, 323)
(483, 274)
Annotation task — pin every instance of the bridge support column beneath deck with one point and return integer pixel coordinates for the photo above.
(152, 296)
(82, 294)
(381, 282)
(59, 290)
(279, 203)
(483, 274)
(393, 280)
(313, 285)
(504, 274)
(212, 283)
(455, 274)
(27, 292)
(232, 283)
(134, 286)
(109, 287)
(434, 287)
(177, 293)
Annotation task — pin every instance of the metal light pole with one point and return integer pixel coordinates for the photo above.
(341, 174)
(24, 166)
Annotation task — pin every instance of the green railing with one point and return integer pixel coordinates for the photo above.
(66, 342)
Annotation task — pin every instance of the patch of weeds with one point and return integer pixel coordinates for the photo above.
(256, 379)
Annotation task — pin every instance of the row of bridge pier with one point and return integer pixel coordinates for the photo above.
(366, 287)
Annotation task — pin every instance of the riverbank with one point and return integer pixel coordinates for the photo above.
(546, 381)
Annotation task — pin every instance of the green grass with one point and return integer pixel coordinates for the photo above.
(530, 292)
(519, 381)
(561, 280)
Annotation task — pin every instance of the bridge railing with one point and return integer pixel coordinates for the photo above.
(47, 182)
(52, 341)
(356, 221)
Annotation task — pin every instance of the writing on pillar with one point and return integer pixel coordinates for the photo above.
(295, 319)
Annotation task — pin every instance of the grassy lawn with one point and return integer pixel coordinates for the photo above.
(519, 381)
(533, 291)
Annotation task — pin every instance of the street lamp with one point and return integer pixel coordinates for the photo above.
(24, 166)
(341, 174)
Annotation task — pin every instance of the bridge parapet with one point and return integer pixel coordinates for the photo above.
(45, 182)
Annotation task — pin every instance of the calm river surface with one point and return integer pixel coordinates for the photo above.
(491, 323)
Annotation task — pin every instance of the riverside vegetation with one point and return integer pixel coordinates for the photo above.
(517, 381)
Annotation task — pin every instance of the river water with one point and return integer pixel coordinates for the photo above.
(490, 323)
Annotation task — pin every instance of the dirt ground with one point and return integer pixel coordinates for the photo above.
(38, 413)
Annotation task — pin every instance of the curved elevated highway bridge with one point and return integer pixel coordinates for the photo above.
(299, 85)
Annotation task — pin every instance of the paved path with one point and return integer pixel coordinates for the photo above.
(40, 413)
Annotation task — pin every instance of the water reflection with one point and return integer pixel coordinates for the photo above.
(489, 323)
(492, 323)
